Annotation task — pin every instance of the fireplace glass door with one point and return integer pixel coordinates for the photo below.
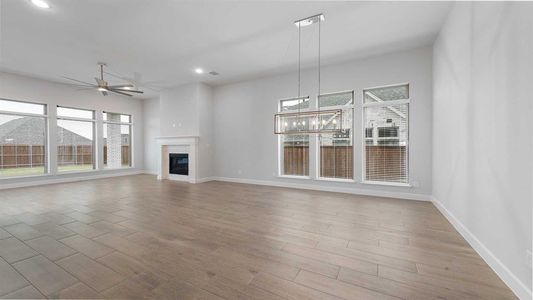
(179, 164)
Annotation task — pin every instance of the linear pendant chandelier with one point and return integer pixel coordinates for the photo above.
(306, 122)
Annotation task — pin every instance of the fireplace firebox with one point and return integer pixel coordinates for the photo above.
(179, 164)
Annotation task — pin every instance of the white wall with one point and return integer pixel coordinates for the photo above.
(178, 114)
(205, 130)
(246, 148)
(23, 88)
(482, 132)
(187, 111)
(152, 129)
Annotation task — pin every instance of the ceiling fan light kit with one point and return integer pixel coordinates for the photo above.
(308, 122)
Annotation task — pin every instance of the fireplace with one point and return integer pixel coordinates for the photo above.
(178, 158)
(178, 163)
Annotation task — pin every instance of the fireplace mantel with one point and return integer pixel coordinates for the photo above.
(177, 144)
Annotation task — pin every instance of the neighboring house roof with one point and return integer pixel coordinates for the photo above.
(29, 131)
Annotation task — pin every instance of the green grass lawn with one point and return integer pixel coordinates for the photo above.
(70, 168)
(12, 172)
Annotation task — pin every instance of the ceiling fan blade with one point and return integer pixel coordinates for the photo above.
(82, 85)
(119, 92)
(128, 91)
(120, 86)
(86, 83)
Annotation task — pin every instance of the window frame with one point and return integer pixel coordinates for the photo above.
(46, 143)
(281, 156)
(363, 133)
(352, 136)
(94, 143)
(120, 123)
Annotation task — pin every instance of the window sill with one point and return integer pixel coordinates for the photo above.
(26, 176)
(64, 173)
(294, 177)
(398, 184)
(336, 179)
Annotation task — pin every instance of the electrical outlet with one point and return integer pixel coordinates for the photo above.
(529, 259)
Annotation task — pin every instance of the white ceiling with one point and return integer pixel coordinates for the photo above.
(165, 40)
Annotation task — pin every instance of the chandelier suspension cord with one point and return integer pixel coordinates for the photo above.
(318, 96)
(299, 56)
(299, 71)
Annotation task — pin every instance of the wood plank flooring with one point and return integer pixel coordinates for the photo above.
(135, 237)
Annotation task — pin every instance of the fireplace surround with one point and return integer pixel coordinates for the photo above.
(184, 150)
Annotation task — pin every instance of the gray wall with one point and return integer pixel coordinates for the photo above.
(246, 147)
(482, 132)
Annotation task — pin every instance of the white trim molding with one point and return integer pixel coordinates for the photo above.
(512, 281)
(54, 179)
(150, 172)
(335, 189)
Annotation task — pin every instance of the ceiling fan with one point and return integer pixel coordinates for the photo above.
(102, 85)
(138, 81)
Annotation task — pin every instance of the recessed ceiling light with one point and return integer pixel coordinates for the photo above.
(199, 71)
(40, 3)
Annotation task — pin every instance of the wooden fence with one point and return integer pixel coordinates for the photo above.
(336, 162)
(21, 156)
(383, 163)
(296, 160)
(72, 155)
(25, 156)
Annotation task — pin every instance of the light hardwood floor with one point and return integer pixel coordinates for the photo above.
(135, 237)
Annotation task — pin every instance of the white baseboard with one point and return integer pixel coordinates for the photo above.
(205, 179)
(150, 172)
(517, 286)
(35, 181)
(324, 188)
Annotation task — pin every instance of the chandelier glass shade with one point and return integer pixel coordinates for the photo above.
(323, 121)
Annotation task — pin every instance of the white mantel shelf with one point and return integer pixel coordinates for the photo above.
(181, 144)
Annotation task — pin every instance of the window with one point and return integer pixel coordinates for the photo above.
(294, 104)
(294, 154)
(336, 149)
(75, 139)
(23, 131)
(117, 140)
(386, 134)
